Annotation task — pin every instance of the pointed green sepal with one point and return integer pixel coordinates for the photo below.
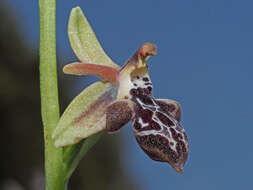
(84, 42)
(85, 115)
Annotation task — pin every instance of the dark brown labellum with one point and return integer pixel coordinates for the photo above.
(157, 129)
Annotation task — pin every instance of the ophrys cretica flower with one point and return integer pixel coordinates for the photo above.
(123, 95)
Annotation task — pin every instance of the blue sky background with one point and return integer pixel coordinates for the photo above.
(205, 62)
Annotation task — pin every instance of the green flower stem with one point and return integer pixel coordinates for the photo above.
(49, 95)
(59, 162)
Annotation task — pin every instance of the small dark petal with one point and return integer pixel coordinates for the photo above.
(118, 114)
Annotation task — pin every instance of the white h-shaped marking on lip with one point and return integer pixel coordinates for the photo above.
(142, 123)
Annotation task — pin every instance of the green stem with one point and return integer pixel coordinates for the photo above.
(59, 163)
(49, 94)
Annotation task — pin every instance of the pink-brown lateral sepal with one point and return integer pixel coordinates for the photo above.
(118, 113)
(171, 107)
(105, 73)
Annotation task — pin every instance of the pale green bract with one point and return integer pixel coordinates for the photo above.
(84, 42)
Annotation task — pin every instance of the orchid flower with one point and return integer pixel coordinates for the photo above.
(123, 94)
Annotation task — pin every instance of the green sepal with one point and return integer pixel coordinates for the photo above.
(85, 115)
(84, 42)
